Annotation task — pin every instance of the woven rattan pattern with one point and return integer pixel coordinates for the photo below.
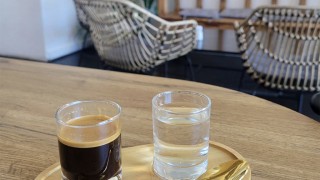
(280, 47)
(131, 38)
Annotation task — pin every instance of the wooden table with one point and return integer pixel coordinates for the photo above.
(278, 143)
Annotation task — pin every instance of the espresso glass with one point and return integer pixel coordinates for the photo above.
(181, 124)
(89, 138)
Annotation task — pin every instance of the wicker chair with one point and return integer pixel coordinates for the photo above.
(129, 37)
(280, 47)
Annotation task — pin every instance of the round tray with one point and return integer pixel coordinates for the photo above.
(137, 162)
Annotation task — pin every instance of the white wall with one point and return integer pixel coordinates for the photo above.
(21, 32)
(257, 3)
(313, 3)
(39, 29)
(211, 4)
(288, 2)
(63, 34)
(232, 4)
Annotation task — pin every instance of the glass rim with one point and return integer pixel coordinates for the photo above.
(182, 92)
(104, 122)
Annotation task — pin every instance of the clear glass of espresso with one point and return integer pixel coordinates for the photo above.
(181, 124)
(89, 137)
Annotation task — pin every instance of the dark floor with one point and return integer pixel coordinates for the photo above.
(216, 68)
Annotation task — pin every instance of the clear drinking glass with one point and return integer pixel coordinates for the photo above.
(89, 140)
(181, 124)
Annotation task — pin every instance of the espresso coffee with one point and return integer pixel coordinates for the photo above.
(89, 156)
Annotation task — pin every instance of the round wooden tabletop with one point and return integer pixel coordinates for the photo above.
(278, 142)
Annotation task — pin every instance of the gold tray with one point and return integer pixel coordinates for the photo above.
(137, 162)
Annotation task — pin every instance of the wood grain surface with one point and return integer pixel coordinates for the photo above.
(278, 143)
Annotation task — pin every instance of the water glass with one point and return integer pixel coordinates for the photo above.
(181, 124)
(89, 140)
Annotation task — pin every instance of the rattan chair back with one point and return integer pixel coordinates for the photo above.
(129, 37)
(280, 47)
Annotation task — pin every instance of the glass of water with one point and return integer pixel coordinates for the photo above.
(181, 124)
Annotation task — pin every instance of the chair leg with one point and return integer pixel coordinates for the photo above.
(241, 80)
(300, 103)
(255, 89)
(315, 103)
(193, 78)
(166, 69)
(85, 38)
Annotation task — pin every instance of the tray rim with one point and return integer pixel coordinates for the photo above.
(217, 144)
(55, 166)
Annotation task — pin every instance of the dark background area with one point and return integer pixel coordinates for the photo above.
(216, 68)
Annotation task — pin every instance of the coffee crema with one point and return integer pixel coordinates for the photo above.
(93, 155)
